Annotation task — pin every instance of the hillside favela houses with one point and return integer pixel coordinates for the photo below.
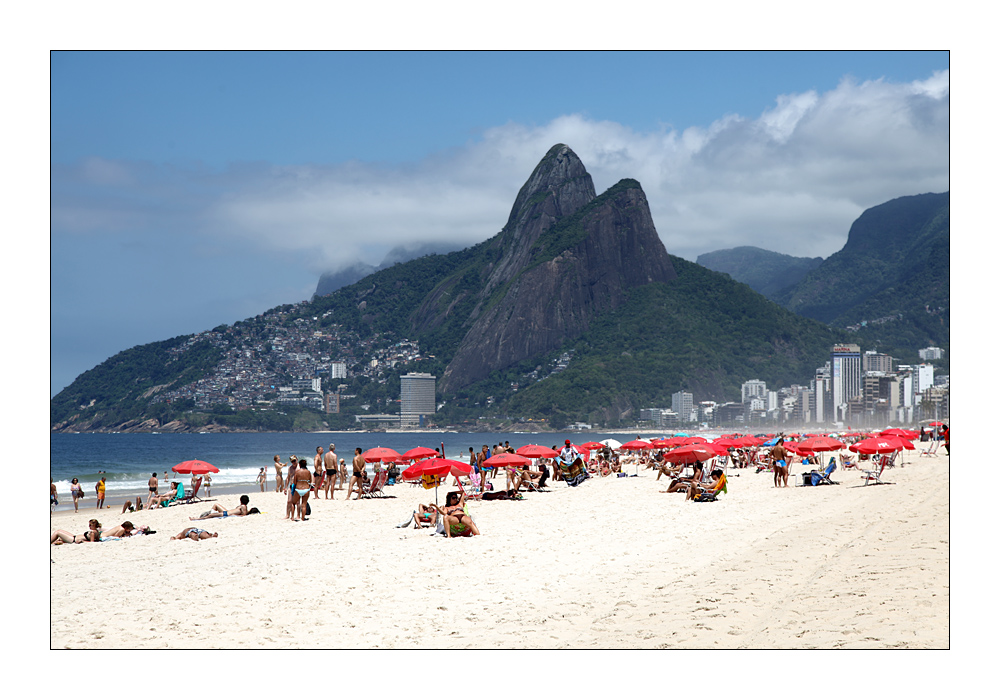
(861, 389)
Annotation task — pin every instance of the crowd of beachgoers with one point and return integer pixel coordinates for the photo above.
(695, 466)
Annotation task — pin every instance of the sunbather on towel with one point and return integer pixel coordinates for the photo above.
(126, 529)
(194, 533)
(457, 523)
(91, 535)
(220, 512)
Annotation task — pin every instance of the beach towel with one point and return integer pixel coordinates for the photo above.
(574, 473)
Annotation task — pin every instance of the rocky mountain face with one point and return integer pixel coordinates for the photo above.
(564, 256)
(764, 271)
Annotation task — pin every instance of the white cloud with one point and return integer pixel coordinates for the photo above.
(791, 179)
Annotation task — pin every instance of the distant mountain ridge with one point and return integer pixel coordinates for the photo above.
(893, 273)
(572, 275)
(762, 270)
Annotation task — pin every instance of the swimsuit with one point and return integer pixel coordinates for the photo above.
(195, 531)
(302, 492)
(331, 472)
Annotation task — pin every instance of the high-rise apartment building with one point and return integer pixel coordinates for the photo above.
(417, 398)
(338, 370)
(931, 353)
(682, 403)
(752, 388)
(873, 361)
(845, 378)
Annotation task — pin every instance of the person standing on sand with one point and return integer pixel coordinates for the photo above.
(100, 493)
(318, 473)
(53, 496)
(357, 475)
(76, 491)
(301, 489)
(279, 482)
(154, 485)
(293, 465)
(330, 463)
(780, 459)
(208, 485)
(262, 479)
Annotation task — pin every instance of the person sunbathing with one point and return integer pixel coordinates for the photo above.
(218, 511)
(696, 490)
(126, 529)
(423, 516)
(671, 470)
(157, 501)
(457, 523)
(194, 533)
(91, 535)
(682, 483)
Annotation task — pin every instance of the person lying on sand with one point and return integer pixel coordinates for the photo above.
(671, 470)
(194, 533)
(218, 511)
(457, 523)
(126, 529)
(91, 535)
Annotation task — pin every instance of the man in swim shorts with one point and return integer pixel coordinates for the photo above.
(780, 458)
(357, 475)
(330, 462)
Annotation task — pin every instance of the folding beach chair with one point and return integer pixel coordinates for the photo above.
(931, 450)
(875, 475)
(816, 478)
(374, 488)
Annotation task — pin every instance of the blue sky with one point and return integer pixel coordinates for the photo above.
(193, 189)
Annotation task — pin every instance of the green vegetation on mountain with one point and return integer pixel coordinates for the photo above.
(764, 271)
(120, 388)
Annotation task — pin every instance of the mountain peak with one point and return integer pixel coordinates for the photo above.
(559, 184)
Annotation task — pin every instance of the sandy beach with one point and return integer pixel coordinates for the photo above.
(611, 564)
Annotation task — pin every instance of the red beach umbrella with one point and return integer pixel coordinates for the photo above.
(686, 454)
(535, 451)
(637, 445)
(418, 453)
(693, 440)
(435, 467)
(821, 444)
(195, 466)
(592, 445)
(876, 445)
(724, 442)
(507, 460)
(382, 454)
(899, 432)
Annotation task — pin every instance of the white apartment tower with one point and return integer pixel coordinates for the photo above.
(338, 370)
(417, 398)
(682, 403)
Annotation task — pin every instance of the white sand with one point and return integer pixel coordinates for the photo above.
(613, 563)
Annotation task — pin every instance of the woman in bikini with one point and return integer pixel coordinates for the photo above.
(91, 535)
(76, 491)
(457, 523)
(279, 480)
(126, 529)
(301, 486)
(194, 533)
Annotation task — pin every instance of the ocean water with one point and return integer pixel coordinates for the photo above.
(128, 459)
